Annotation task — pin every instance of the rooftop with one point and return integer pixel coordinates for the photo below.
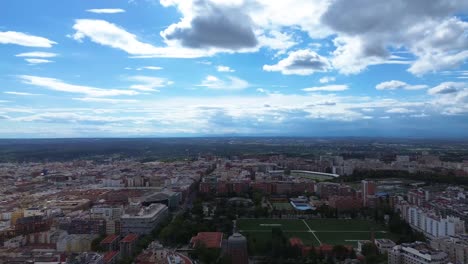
(209, 239)
(109, 239)
(110, 255)
(129, 238)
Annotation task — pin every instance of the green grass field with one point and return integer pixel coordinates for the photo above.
(313, 232)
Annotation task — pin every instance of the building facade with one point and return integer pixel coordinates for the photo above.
(143, 221)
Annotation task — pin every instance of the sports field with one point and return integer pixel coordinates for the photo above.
(314, 232)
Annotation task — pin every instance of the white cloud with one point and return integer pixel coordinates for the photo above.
(231, 83)
(399, 110)
(22, 39)
(394, 85)
(20, 93)
(204, 62)
(222, 68)
(108, 34)
(364, 32)
(447, 88)
(148, 84)
(368, 30)
(327, 79)
(209, 27)
(37, 54)
(300, 62)
(106, 11)
(258, 113)
(105, 100)
(37, 61)
(58, 85)
(327, 88)
(350, 56)
(152, 68)
(277, 40)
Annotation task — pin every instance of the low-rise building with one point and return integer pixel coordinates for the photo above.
(110, 243)
(384, 245)
(416, 253)
(111, 257)
(128, 244)
(456, 247)
(157, 254)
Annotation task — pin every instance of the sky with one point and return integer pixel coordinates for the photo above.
(148, 68)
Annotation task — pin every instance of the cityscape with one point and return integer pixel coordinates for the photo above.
(234, 132)
(334, 206)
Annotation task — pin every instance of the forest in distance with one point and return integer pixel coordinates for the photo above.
(152, 149)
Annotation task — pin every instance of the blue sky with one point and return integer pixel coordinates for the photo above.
(233, 67)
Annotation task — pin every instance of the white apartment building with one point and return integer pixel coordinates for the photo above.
(430, 224)
(416, 253)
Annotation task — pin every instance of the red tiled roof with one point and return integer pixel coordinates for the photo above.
(109, 255)
(209, 239)
(109, 239)
(129, 238)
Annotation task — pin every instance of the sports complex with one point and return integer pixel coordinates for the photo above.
(314, 232)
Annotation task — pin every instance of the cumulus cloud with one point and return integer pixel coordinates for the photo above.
(106, 10)
(242, 26)
(230, 83)
(394, 85)
(367, 29)
(447, 88)
(364, 32)
(23, 39)
(58, 85)
(222, 68)
(445, 46)
(327, 88)
(302, 14)
(37, 54)
(300, 62)
(277, 40)
(213, 24)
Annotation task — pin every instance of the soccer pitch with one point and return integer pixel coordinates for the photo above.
(314, 232)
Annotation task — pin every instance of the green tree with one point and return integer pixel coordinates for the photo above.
(96, 244)
(206, 255)
(340, 252)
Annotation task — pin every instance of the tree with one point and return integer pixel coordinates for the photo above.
(340, 252)
(96, 244)
(312, 256)
(206, 255)
(369, 249)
